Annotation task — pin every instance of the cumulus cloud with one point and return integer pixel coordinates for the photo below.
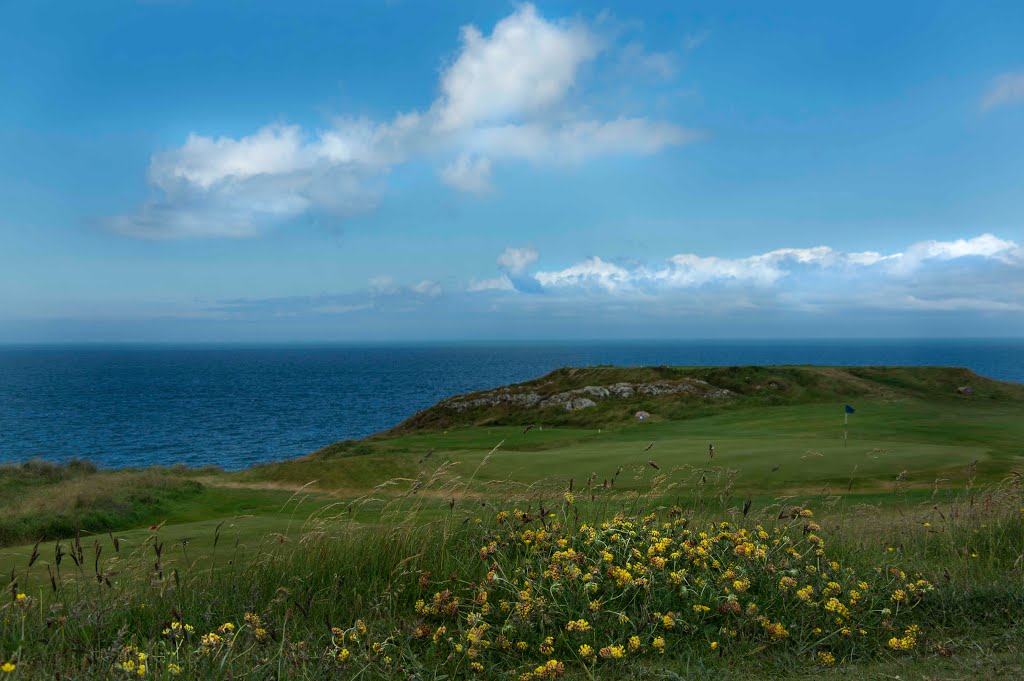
(382, 285)
(984, 246)
(634, 59)
(984, 274)
(468, 173)
(1004, 89)
(502, 283)
(577, 141)
(428, 288)
(591, 272)
(689, 270)
(525, 66)
(516, 260)
(509, 95)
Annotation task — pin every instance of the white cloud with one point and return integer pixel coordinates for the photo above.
(468, 173)
(634, 59)
(382, 285)
(577, 141)
(428, 288)
(203, 162)
(525, 66)
(516, 260)
(507, 95)
(342, 309)
(1004, 89)
(985, 246)
(955, 304)
(768, 270)
(590, 272)
(502, 283)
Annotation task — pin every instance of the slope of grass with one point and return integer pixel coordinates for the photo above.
(750, 386)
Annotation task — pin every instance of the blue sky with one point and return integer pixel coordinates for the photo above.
(216, 171)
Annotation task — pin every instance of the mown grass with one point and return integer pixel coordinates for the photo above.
(774, 449)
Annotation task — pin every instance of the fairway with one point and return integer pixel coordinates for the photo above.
(768, 450)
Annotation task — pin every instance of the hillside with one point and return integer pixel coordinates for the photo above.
(607, 395)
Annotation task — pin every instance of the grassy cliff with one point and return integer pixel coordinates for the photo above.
(675, 393)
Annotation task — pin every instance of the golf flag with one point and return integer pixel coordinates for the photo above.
(846, 420)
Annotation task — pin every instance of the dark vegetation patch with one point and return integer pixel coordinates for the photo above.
(46, 500)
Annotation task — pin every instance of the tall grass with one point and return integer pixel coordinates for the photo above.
(445, 577)
(44, 500)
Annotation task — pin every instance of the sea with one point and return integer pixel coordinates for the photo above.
(238, 405)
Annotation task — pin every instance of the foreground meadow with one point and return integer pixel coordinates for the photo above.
(493, 550)
(574, 581)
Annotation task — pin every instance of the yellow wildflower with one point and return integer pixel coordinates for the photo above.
(578, 625)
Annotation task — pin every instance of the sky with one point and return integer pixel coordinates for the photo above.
(175, 171)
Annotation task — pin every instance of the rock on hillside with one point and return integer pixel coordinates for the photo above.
(582, 398)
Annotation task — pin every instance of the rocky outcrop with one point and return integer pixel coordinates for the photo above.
(585, 397)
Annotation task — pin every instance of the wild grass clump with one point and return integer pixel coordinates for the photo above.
(50, 501)
(36, 471)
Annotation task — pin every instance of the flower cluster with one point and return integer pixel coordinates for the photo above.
(547, 596)
(595, 594)
(906, 642)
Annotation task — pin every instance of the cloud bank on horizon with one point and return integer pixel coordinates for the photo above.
(980, 274)
(504, 97)
(983, 274)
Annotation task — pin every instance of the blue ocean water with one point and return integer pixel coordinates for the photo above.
(237, 406)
